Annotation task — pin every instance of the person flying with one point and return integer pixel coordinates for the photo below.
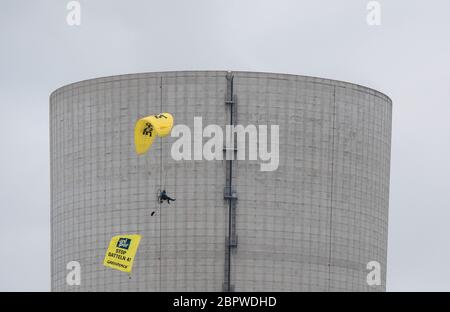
(163, 196)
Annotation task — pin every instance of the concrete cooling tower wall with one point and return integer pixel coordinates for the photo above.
(311, 222)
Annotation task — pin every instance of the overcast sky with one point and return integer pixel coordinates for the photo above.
(407, 57)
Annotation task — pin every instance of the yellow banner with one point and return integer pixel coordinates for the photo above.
(121, 252)
(147, 128)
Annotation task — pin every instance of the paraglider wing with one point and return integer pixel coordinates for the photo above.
(163, 123)
(147, 128)
(144, 135)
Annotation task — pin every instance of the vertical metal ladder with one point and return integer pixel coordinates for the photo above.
(230, 194)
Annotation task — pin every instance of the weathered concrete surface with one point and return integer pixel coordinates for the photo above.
(311, 225)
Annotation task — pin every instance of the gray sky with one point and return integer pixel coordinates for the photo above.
(406, 57)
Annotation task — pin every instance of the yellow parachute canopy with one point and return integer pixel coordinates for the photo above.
(121, 252)
(148, 128)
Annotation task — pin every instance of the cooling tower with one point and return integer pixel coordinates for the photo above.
(313, 223)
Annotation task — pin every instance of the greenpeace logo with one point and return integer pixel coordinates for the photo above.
(124, 243)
